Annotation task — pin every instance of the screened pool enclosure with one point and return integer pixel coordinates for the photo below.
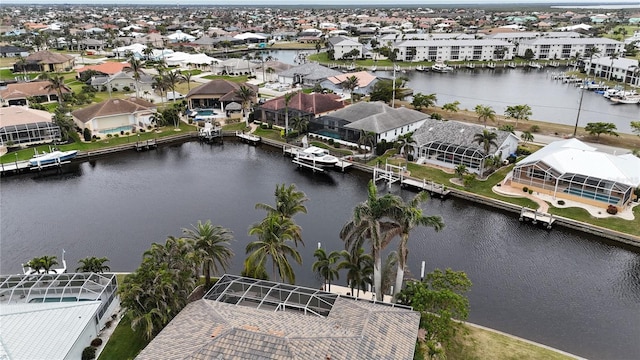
(30, 133)
(443, 152)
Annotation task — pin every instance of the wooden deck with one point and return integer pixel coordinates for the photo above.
(425, 185)
(535, 216)
(248, 138)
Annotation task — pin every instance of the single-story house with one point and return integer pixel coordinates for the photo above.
(379, 118)
(451, 143)
(45, 61)
(107, 68)
(21, 125)
(301, 105)
(217, 94)
(572, 170)
(19, 93)
(115, 115)
(366, 81)
(244, 318)
(307, 74)
(13, 51)
(124, 81)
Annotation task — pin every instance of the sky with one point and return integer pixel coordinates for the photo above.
(307, 3)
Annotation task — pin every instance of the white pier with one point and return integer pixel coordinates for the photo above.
(536, 216)
(248, 138)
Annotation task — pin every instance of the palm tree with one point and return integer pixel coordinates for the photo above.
(186, 76)
(590, 53)
(287, 100)
(324, 266)
(404, 142)
(350, 84)
(519, 112)
(147, 52)
(526, 136)
(408, 216)
(359, 269)
(211, 244)
(93, 264)
(485, 113)
(246, 95)
(275, 237)
(613, 57)
(371, 222)
(35, 264)
(135, 66)
(452, 107)
(486, 139)
(47, 262)
(56, 83)
(160, 85)
(461, 171)
(172, 78)
(21, 63)
(389, 269)
(289, 202)
(367, 138)
(300, 124)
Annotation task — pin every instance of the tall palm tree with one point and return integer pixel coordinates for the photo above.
(350, 84)
(409, 216)
(591, 53)
(276, 240)
(613, 57)
(452, 107)
(289, 202)
(407, 143)
(526, 136)
(135, 66)
(359, 268)
(389, 268)
(324, 266)
(287, 100)
(246, 96)
(186, 77)
(367, 138)
(172, 79)
(486, 139)
(299, 124)
(21, 63)
(485, 113)
(211, 244)
(147, 52)
(93, 264)
(519, 112)
(47, 262)
(160, 85)
(56, 83)
(371, 222)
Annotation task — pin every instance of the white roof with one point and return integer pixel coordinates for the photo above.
(247, 35)
(58, 324)
(572, 156)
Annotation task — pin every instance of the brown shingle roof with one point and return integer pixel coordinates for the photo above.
(309, 103)
(48, 57)
(112, 107)
(24, 90)
(224, 89)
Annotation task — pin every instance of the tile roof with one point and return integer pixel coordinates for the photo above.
(377, 117)
(24, 90)
(309, 103)
(225, 89)
(108, 67)
(112, 107)
(19, 115)
(364, 78)
(354, 329)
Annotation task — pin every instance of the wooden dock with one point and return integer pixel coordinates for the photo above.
(425, 185)
(248, 138)
(146, 145)
(536, 216)
(14, 167)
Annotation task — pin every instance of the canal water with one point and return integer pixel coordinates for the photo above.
(550, 100)
(565, 289)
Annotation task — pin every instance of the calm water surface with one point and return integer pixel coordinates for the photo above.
(560, 288)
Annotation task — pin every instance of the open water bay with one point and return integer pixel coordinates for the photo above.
(561, 288)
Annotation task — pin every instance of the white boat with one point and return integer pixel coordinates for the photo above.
(421, 68)
(441, 67)
(374, 68)
(316, 156)
(27, 270)
(534, 65)
(618, 92)
(54, 157)
(632, 99)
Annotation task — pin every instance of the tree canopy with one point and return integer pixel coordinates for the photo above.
(598, 128)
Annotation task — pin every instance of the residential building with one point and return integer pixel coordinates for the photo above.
(45, 61)
(451, 143)
(13, 51)
(217, 94)
(69, 310)
(21, 93)
(345, 48)
(615, 68)
(115, 116)
(558, 48)
(454, 50)
(379, 118)
(366, 82)
(124, 81)
(307, 74)
(21, 125)
(244, 318)
(572, 170)
(301, 105)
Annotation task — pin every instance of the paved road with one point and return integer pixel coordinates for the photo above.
(540, 139)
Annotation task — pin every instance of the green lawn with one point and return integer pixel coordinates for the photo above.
(124, 343)
(625, 226)
(235, 127)
(273, 134)
(340, 151)
(238, 79)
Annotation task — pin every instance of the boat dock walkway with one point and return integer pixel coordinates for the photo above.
(146, 145)
(248, 138)
(536, 216)
(15, 167)
(393, 173)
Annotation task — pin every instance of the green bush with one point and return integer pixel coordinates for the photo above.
(331, 141)
(126, 88)
(86, 133)
(530, 191)
(523, 151)
(525, 189)
(561, 202)
(534, 129)
(96, 342)
(89, 353)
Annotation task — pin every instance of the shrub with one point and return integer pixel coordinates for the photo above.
(149, 127)
(96, 342)
(534, 128)
(86, 133)
(127, 133)
(523, 151)
(525, 189)
(109, 135)
(116, 135)
(560, 202)
(331, 141)
(114, 89)
(108, 324)
(530, 191)
(89, 353)
(336, 145)
(612, 209)
(126, 88)
(121, 132)
(264, 126)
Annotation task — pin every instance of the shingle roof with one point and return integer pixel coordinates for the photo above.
(48, 57)
(354, 329)
(112, 107)
(454, 132)
(309, 103)
(225, 89)
(377, 117)
(24, 90)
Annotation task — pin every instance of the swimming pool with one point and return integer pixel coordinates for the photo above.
(206, 112)
(327, 133)
(118, 129)
(592, 195)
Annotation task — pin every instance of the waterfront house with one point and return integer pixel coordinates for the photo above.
(217, 94)
(104, 69)
(45, 61)
(379, 118)
(572, 170)
(342, 45)
(301, 105)
(21, 93)
(115, 116)
(124, 81)
(245, 318)
(366, 82)
(21, 125)
(69, 310)
(307, 74)
(451, 143)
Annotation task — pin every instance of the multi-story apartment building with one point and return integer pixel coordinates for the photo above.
(454, 50)
(567, 48)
